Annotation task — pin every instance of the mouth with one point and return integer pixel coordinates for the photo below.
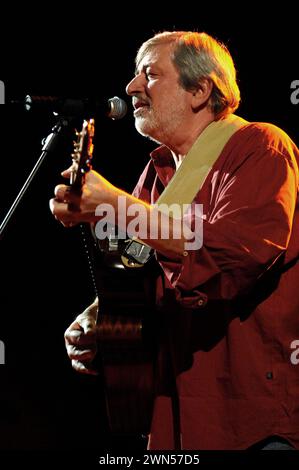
(139, 104)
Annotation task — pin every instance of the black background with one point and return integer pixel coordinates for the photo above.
(45, 282)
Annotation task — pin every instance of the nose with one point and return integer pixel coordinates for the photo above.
(136, 85)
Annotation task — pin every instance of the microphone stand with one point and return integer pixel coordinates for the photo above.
(49, 143)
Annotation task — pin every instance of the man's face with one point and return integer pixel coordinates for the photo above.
(160, 103)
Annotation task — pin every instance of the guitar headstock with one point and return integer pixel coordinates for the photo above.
(82, 156)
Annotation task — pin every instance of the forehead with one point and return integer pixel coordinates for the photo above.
(159, 56)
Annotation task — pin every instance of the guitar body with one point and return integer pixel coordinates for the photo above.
(127, 341)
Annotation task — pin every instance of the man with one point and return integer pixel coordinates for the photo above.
(229, 308)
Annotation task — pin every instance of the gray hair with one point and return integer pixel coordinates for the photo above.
(198, 56)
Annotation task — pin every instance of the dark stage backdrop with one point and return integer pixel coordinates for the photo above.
(45, 282)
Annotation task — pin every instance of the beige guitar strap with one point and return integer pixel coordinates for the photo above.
(190, 177)
(195, 167)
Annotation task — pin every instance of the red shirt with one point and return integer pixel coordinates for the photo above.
(230, 310)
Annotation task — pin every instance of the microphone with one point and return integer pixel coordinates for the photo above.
(114, 108)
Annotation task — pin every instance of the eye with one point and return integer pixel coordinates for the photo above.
(149, 75)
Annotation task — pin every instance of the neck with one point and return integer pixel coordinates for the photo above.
(189, 133)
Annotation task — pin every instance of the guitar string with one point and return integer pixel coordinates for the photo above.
(83, 230)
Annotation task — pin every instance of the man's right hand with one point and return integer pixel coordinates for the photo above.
(81, 340)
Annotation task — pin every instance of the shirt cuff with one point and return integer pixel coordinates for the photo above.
(188, 275)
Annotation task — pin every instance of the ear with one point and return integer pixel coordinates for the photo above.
(202, 94)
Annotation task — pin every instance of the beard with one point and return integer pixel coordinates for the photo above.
(159, 126)
(147, 124)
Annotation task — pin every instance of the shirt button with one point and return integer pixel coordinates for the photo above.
(269, 375)
(200, 302)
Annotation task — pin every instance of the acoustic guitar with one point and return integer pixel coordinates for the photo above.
(127, 317)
